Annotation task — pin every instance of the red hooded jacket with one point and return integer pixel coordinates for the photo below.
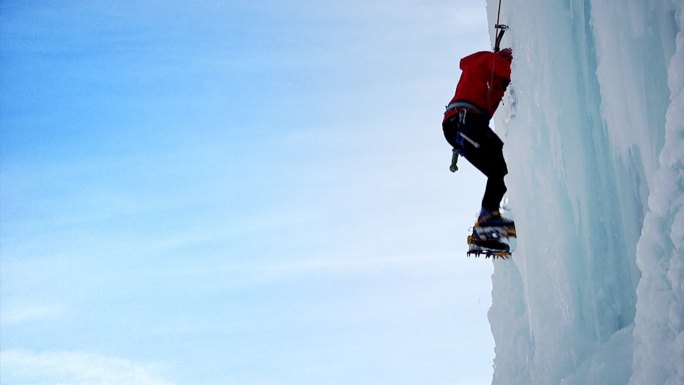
(484, 80)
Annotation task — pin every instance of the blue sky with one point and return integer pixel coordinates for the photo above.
(237, 192)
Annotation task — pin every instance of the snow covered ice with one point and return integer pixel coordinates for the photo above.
(594, 131)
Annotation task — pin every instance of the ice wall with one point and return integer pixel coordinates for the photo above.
(659, 330)
(593, 133)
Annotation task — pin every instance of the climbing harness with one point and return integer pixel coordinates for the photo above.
(461, 104)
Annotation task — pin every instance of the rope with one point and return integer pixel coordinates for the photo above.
(498, 14)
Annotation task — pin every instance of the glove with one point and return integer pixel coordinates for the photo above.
(507, 53)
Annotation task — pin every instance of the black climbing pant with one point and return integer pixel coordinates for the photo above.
(472, 138)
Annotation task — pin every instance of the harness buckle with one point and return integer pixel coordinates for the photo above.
(462, 113)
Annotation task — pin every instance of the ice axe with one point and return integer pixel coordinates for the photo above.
(454, 161)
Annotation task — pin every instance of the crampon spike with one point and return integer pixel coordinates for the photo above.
(489, 254)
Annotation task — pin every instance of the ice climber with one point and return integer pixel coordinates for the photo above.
(484, 78)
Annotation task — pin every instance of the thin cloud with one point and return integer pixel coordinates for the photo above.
(13, 316)
(20, 367)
